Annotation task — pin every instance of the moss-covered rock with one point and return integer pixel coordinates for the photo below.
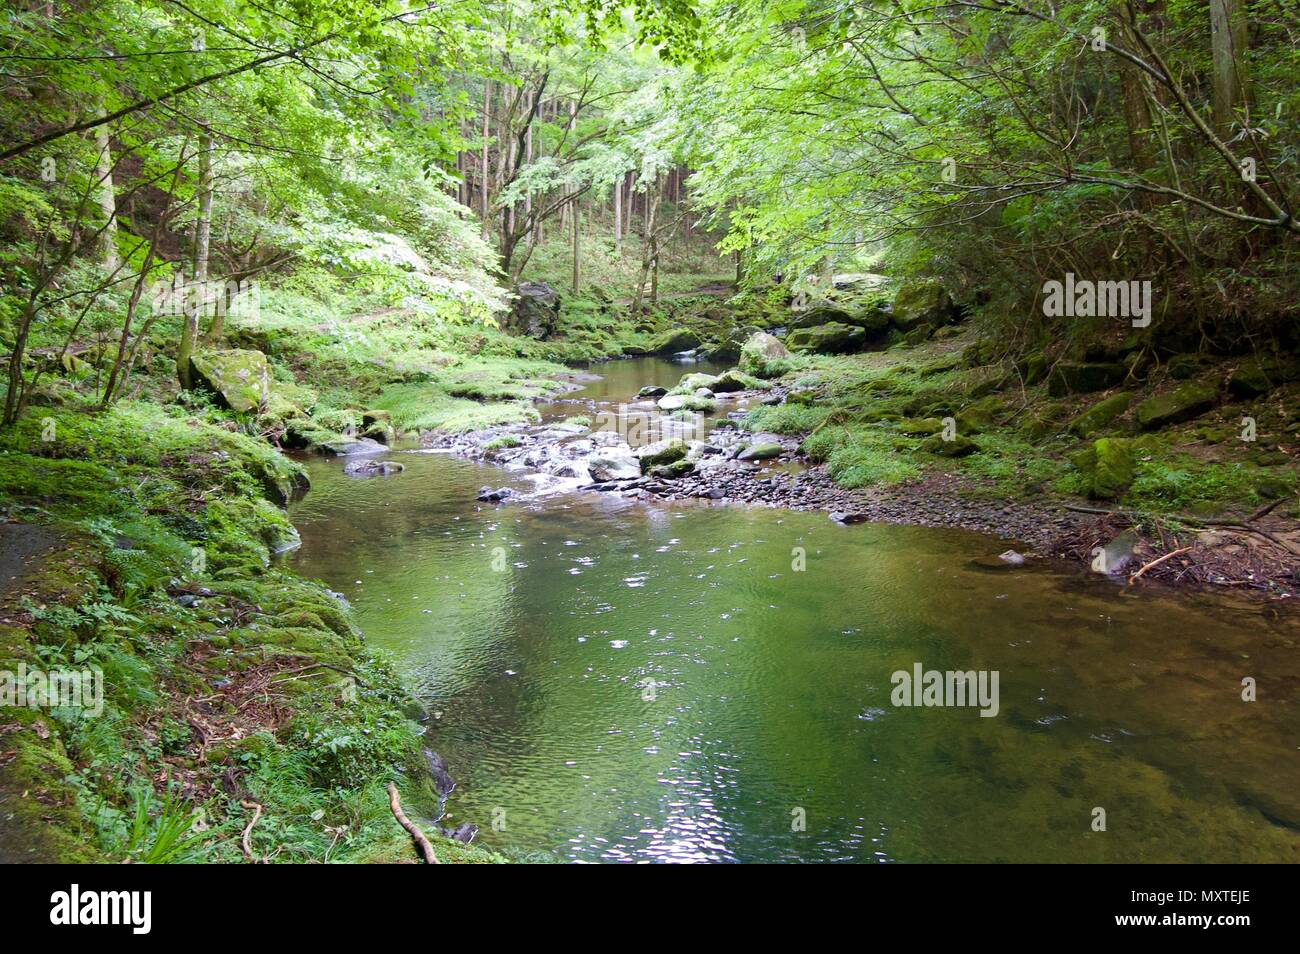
(240, 379)
(1258, 376)
(831, 338)
(957, 446)
(980, 415)
(1100, 414)
(735, 380)
(762, 450)
(922, 303)
(1108, 466)
(763, 355)
(676, 341)
(660, 453)
(1181, 404)
(820, 314)
(674, 471)
(1076, 378)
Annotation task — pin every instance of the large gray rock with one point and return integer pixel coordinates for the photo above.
(614, 463)
(535, 312)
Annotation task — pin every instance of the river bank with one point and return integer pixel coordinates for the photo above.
(724, 454)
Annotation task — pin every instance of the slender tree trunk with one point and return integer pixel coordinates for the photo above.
(618, 218)
(202, 238)
(1228, 46)
(107, 198)
(484, 171)
(577, 246)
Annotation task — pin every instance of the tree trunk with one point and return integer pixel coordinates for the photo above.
(1228, 45)
(618, 217)
(577, 247)
(107, 199)
(202, 239)
(483, 170)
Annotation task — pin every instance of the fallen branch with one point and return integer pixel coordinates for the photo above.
(1265, 510)
(245, 841)
(1173, 553)
(421, 840)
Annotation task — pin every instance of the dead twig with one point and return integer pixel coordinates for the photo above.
(1172, 553)
(421, 840)
(245, 842)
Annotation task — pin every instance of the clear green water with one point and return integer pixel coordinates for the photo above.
(530, 631)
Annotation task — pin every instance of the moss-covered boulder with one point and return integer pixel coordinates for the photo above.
(1032, 368)
(1108, 466)
(957, 446)
(240, 379)
(762, 450)
(762, 355)
(1100, 414)
(735, 380)
(820, 314)
(1181, 404)
(660, 453)
(675, 341)
(535, 311)
(690, 383)
(677, 469)
(922, 303)
(980, 415)
(1081, 378)
(921, 426)
(1258, 376)
(832, 338)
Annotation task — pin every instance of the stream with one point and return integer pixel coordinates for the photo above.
(611, 680)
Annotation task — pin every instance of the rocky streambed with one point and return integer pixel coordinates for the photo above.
(653, 448)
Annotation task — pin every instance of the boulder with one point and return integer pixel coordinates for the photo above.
(673, 471)
(734, 380)
(614, 463)
(980, 415)
(652, 390)
(240, 379)
(372, 468)
(690, 383)
(660, 453)
(1258, 376)
(760, 352)
(875, 320)
(1108, 467)
(672, 402)
(923, 303)
(820, 314)
(1100, 414)
(675, 341)
(535, 312)
(832, 338)
(1181, 404)
(957, 447)
(1079, 378)
(343, 446)
(763, 450)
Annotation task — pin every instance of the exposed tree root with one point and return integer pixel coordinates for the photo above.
(421, 841)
